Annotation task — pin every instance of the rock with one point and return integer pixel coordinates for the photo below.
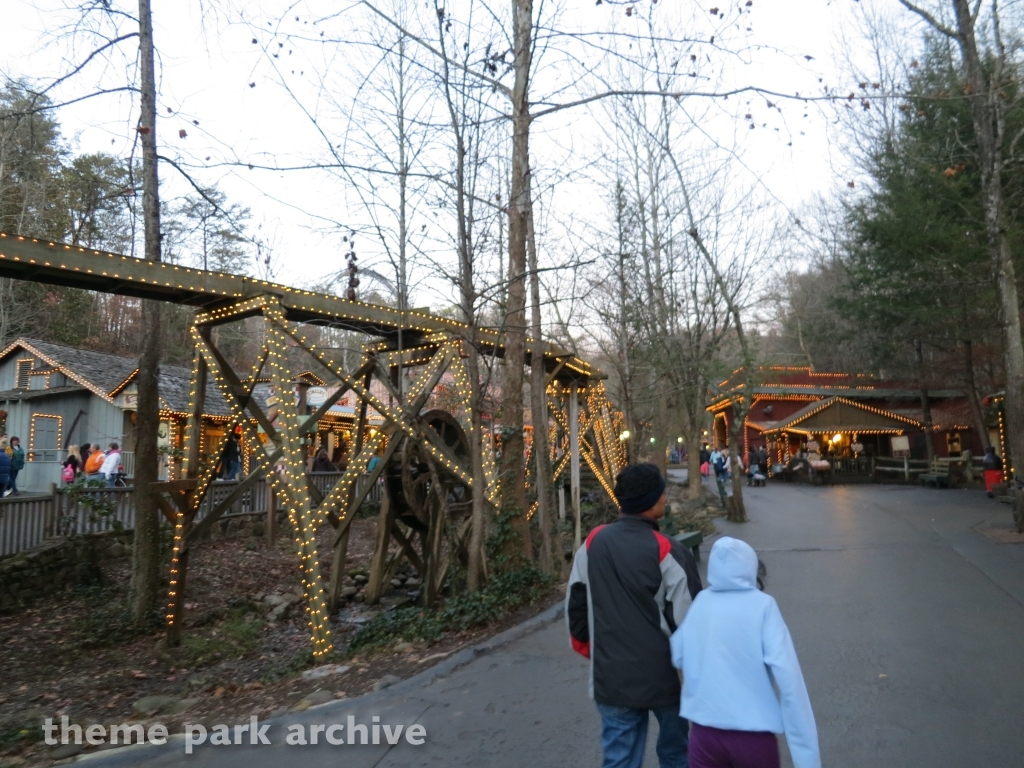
(360, 578)
(396, 582)
(412, 582)
(386, 682)
(280, 612)
(117, 549)
(180, 707)
(320, 697)
(325, 671)
(404, 647)
(274, 600)
(259, 597)
(292, 598)
(152, 705)
(313, 699)
(359, 598)
(66, 750)
(348, 591)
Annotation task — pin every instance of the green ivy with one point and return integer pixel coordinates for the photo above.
(503, 593)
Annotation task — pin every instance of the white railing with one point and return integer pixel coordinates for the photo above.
(26, 522)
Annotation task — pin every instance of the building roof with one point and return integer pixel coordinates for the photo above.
(98, 372)
(784, 380)
(840, 414)
(105, 374)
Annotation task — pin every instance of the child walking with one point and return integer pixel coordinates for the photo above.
(730, 647)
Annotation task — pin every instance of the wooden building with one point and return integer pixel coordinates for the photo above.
(53, 396)
(845, 414)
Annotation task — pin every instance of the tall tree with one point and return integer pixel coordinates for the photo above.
(991, 85)
(145, 582)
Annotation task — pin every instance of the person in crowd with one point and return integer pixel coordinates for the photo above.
(372, 464)
(17, 454)
(629, 588)
(72, 465)
(5, 465)
(111, 465)
(231, 458)
(705, 454)
(322, 462)
(94, 464)
(762, 460)
(734, 651)
(85, 450)
(993, 468)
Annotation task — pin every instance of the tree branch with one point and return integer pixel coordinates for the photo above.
(938, 25)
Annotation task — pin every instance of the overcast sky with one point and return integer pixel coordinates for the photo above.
(208, 63)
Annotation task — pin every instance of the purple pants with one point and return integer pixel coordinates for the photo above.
(715, 748)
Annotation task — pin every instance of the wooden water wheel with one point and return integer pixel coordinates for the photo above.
(427, 507)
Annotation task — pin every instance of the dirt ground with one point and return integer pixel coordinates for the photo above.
(74, 654)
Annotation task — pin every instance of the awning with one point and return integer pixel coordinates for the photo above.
(837, 414)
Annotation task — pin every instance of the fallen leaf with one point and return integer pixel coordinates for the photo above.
(182, 133)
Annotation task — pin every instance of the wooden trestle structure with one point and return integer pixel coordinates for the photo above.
(424, 454)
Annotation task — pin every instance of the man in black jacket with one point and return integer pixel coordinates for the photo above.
(630, 588)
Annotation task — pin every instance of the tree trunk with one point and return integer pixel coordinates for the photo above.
(539, 410)
(513, 470)
(988, 115)
(926, 403)
(737, 511)
(696, 480)
(146, 549)
(972, 396)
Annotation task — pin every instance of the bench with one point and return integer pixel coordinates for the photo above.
(937, 476)
(692, 541)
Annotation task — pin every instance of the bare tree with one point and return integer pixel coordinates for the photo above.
(145, 583)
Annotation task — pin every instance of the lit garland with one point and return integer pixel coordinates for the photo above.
(32, 433)
(296, 493)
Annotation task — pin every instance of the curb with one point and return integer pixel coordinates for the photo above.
(134, 753)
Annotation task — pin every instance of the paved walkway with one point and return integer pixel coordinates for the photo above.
(907, 621)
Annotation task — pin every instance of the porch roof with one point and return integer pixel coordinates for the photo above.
(838, 414)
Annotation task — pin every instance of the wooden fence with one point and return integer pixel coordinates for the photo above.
(26, 522)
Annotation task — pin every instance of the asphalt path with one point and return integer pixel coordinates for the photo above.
(908, 623)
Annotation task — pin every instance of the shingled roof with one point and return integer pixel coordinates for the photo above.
(103, 374)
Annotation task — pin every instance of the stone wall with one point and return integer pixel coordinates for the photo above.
(60, 561)
(54, 564)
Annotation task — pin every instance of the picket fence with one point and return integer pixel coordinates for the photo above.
(26, 522)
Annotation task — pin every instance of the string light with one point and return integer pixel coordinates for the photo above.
(32, 433)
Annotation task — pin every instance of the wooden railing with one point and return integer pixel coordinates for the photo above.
(26, 522)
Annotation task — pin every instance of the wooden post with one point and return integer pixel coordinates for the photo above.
(375, 586)
(270, 528)
(338, 571)
(574, 462)
(561, 499)
(906, 469)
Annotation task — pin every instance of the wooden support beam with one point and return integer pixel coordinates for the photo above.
(574, 464)
(378, 566)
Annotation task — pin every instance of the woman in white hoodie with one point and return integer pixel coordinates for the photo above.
(731, 647)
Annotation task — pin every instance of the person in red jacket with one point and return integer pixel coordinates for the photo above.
(629, 589)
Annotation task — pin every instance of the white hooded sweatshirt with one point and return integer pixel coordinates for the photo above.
(731, 647)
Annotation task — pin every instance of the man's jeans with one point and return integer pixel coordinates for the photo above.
(624, 736)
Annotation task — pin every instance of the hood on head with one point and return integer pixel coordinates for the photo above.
(732, 565)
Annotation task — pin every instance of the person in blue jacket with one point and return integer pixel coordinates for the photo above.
(731, 647)
(5, 466)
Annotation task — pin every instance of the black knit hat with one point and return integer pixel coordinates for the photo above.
(638, 488)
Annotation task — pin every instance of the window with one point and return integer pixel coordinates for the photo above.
(24, 366)
(44, 437)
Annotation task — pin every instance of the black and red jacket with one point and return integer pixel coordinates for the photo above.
(629, 589)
